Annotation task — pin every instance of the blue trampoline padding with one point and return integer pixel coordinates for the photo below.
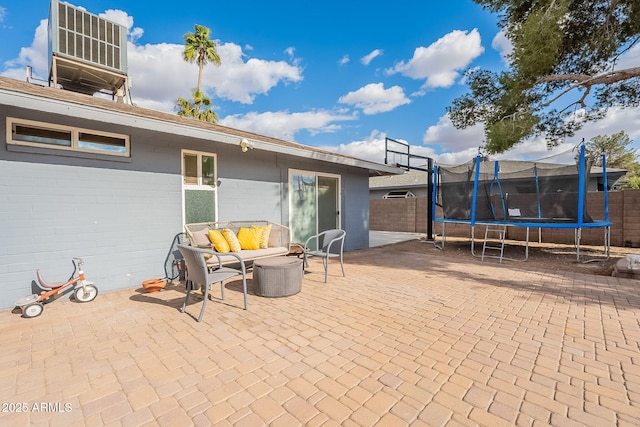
(561, 223)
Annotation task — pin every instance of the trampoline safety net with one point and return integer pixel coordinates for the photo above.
(512, 191)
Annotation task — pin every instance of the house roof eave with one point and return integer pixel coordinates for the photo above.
(25, 95)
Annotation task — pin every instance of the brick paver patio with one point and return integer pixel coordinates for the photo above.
(404, 339)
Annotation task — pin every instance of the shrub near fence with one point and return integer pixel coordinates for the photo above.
(410, 215)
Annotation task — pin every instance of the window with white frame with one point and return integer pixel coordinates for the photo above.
(200, 183)
(48, 135)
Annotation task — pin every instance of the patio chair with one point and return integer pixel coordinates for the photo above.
(330, 244)
(198, 274)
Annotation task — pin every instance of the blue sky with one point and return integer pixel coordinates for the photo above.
(338, 75)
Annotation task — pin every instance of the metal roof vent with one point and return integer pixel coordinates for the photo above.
(88, 54)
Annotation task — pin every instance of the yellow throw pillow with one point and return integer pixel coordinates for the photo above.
(249, 238)
(263, 234)
(231, 238)
(219, 242)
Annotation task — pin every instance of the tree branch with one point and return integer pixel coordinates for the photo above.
(587, 80)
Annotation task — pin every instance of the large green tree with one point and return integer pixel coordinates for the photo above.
(198, 47)
(616, 149)
(564, 60)
(618, 154)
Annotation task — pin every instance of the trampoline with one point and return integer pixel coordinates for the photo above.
(518, 194)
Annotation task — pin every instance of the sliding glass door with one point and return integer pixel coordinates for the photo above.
(314, 201)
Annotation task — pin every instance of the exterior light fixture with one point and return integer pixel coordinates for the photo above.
(245, 145)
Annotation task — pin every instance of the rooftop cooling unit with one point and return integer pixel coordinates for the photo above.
(88, 54)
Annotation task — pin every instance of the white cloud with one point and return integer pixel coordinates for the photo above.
(454, 146)
(374, 98)
(153, 68)
(344, 60)
(441, 62)
(365, 60)
(241, 81)
(3, 14)
(503, 45)
(617, 119)
(36, 55)
(20, 74)
(536, 149)
(372, 148)
(122, 18)
(284, 125)
(629, 59)
(447, 136)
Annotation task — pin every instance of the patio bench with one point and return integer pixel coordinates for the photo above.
(279, 240)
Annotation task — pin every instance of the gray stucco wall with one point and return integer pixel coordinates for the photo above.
(118, 214)
(355, 207)
(120, 222)
(250, 186)
(121, 214)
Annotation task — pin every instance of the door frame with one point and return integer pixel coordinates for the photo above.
(316, 174)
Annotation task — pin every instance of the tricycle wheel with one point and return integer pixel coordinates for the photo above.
(89, 293)
(32, 310)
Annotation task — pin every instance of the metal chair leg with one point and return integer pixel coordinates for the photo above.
(244, 290)
(186, 298)
(204, 302)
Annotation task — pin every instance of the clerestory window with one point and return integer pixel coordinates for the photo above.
(48, 135)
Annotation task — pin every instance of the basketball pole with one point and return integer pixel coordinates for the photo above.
(407, 153)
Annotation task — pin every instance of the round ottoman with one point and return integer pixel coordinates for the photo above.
(277, 277)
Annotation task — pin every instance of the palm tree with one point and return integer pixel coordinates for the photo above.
(198, 47)
(199, 108)
(203, 109)
(185, 107)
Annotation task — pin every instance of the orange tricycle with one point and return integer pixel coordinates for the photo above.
(83, 291)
